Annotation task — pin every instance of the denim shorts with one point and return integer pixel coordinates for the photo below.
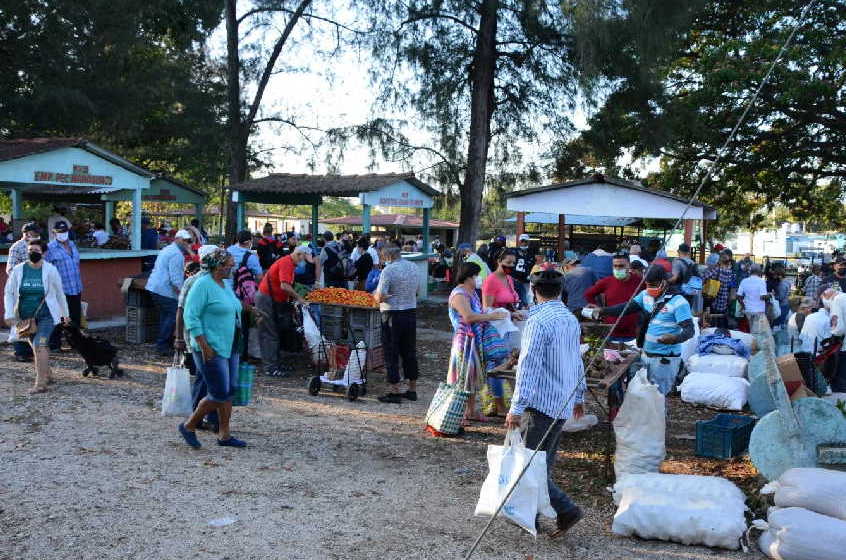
(44, 328)
(219, 374)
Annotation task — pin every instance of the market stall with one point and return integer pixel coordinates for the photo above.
(71, 171)
(387, 190)
(404, 226)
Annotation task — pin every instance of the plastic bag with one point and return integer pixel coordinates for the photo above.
(314, 340)
(718, 364)
(586, 422)
(177, 400)
(798, 534)
(729, 393)
(530, 497)
(357, 362)
(820, 490)
(503, 326)
(680, 508)
(640, 428)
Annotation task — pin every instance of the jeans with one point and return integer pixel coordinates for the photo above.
(537, 424)
(198, 389)
(75, 315)
(167, 322)
(662, 371)
(278, 336)
(497, 387)
(399, 340)
(219, 375)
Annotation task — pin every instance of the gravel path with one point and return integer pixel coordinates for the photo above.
(91, 470)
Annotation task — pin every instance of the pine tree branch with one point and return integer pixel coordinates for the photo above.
(437, 15)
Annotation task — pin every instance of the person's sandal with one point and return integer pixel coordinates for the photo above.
(566, 523)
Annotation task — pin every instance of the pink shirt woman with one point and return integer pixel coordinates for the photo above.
(498, 288)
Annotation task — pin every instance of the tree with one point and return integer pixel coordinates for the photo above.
(131, 76)
(785, 152)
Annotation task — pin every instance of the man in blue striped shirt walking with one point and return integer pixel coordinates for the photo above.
(550, 383)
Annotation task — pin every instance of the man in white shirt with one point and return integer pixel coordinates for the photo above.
(634, 256)
(815, 329)
(101, 236)
(835, 302)
(752, 293)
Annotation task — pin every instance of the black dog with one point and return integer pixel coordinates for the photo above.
(94, 350)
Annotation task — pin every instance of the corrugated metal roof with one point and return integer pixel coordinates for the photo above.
(329, 185)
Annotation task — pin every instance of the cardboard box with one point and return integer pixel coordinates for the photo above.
(791, 374)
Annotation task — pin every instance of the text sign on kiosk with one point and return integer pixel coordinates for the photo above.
(399, 194)
(80, 175)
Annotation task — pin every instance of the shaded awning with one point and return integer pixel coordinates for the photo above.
(602, 196)
(576, 220)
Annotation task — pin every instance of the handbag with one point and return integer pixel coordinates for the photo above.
(711, 287)
(450, 402)
(26, 328)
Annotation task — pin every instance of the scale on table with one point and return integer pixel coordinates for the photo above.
(808, 432)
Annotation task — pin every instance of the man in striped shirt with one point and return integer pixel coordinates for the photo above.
(550, 382)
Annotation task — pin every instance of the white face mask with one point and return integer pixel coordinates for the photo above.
(62, 236)
(827, 304)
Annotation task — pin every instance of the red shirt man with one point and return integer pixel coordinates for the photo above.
(280, 271)
(617, 288)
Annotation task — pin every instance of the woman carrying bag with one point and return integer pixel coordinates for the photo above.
(35, 303)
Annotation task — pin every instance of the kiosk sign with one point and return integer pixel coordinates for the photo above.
(400, 194)
(80, 174)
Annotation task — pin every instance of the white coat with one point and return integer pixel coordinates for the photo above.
(54, 295)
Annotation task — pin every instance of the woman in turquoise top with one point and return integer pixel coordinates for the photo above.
(212, 317)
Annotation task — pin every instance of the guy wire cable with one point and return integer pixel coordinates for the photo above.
(708, 173)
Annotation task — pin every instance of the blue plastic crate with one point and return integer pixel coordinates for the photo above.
(723, 437)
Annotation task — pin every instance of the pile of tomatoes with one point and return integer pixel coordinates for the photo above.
(340, 296)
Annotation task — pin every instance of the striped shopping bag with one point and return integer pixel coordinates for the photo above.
(244, 385)
(450, 401)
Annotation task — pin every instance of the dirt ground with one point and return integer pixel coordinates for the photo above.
(91, 470)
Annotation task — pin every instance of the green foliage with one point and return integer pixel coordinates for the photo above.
(131, 76)
(787, 151)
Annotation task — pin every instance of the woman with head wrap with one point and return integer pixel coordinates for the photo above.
(212, 317)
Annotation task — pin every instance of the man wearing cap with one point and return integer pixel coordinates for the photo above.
(724, 273)
(275, 313)
(465, 251)
(714, 258)
(525, 259)
(56, 218)
(18, 253)
(668, 322)
(550, 384)
(165, 283)
(63, 254)
(634, 256)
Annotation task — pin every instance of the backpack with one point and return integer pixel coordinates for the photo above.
(372, 280)
(692, 282)
(339, 264)
(245, 282)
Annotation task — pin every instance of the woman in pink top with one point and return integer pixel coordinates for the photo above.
(498, 288)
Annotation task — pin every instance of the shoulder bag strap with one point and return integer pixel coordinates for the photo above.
(656, 308)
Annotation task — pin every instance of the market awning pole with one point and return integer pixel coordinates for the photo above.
(198, 213)
(562, 228)
(108, 213)
(521, 224)
(136, 220)
(314, 226)
(17, 204)
(365, 218)
(426, 245)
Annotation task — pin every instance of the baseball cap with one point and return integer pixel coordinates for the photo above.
(500, 238)
(464, 246)
(183, 234)
(60, 227)
(31, 226)
(524, 237)
(719, 247)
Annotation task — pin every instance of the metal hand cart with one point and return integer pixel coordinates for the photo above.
(344, 326)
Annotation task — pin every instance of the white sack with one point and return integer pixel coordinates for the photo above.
(727, 365)
(689, 346)
(176, 400)
(746, 338)
(357, 363)
(819, 490)
(640, 428)
(315, 341)
(729, 393)
(690, 510)
(530, 497)
(798, 534)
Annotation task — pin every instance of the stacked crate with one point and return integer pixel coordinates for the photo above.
(142, 317)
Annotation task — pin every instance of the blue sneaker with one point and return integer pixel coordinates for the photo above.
(189, 437)
(231, 442)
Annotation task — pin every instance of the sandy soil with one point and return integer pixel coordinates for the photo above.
(91, 470)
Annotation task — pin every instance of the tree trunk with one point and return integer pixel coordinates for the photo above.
(237, 136)
(481, 110)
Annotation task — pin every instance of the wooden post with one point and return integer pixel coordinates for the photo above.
(426, 245)
(17, 205)
(365, 219)
(314, 225)
(108, 214)
(562, 228)
(136, 220)
(704, 243)
(198, 213)
(521, 224)
(688, 232)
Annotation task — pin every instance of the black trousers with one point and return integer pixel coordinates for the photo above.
(75, 313)
(399, 341)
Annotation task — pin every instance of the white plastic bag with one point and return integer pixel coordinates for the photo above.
(177, 400)
(503, 326)
(530, 497)
(314, 340)
(820, 490)
(357, 362)
(718, 364)
(586, 422)
(709, 389)
(798, 534)
(680, 508)
(639, 428)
